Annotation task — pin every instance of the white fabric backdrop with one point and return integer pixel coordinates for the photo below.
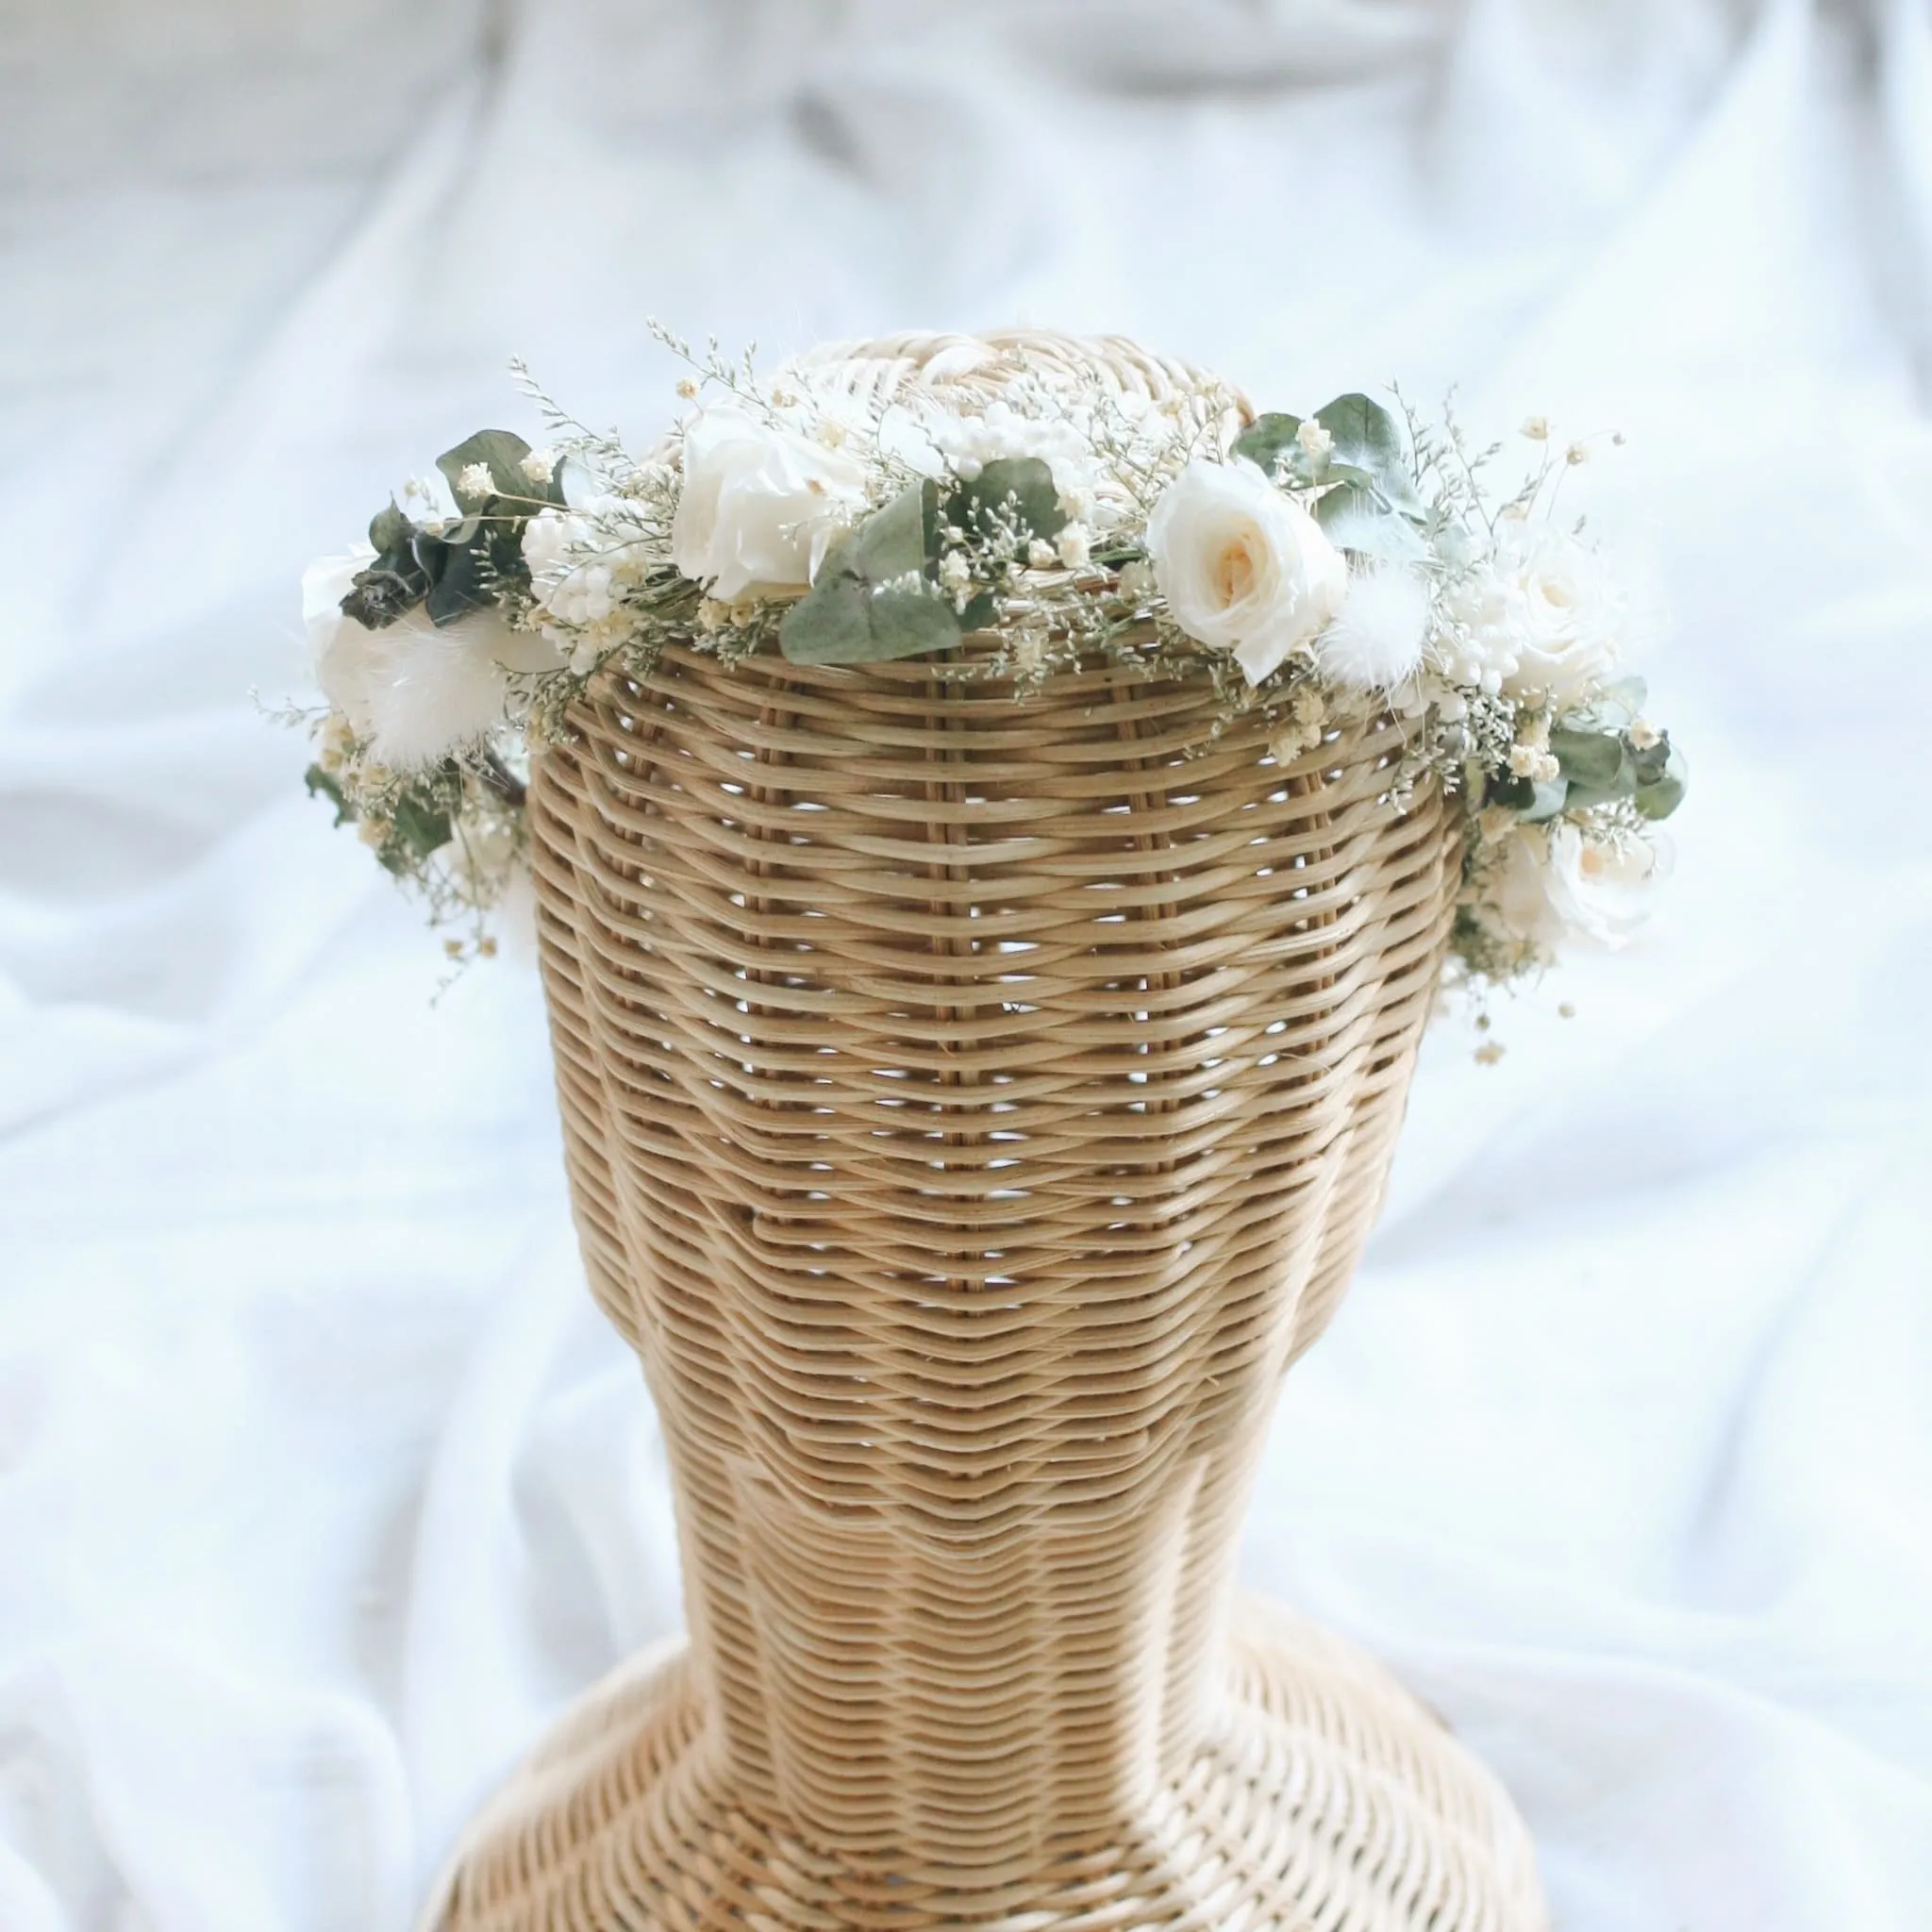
(321, 1486)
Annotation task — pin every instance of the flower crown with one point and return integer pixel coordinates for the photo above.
(1314, 568)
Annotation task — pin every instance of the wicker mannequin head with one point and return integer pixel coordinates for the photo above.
(973, 1108)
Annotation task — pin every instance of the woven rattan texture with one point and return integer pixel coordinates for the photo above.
(973, 1108)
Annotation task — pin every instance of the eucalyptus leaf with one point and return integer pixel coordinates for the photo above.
(1660, 797)
(501, 453)
(1549, 800)
(422, 828)
(388, 529)
(979, 611)
(324, 783)
(843, 621)
(1357, 522)
(1622, 783)
(461, 586)
(431, 556)
(1658, 801)
(1653, 760)
(1621, 702)
(1016, 490)
(873, 599)
(1265, 439)
(1589, 757)
(1367, 438)
(1358, 516)
(895, 540)
(1364, 431)
(387, 589)
(1347, 508)
(475, 572)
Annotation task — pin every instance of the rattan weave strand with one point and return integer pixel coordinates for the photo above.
(973, 1108)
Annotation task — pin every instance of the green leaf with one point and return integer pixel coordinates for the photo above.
(422, 828)
(1356, 507)
(1519, 794)
(831, 624)
(894, 542)
(1274, 442)
(842, 620)
(388, 529)
(324, 783)
(1622, 784)
(1549, 801)
(1265, 439)
(467, 568)
(1653, 760)
(1367, 438)
(1361, 526)
(501, 453)
(873, 599)
(1660, 797)
(388, 587)
(461, 586)
(1589, 757)
(1597, 764)
(1660, 800)
(1363, 430)
(1009, 489)
(1621, 702)
(1369, 460)
(979, 611)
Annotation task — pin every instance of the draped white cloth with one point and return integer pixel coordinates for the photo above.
(321, 1485)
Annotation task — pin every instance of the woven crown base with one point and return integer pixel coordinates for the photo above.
(973, 1108)
(1323, 1796)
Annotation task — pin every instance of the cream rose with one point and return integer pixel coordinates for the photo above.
(759, 504)
(414, 691)
(1600, 888)
(1554, 884)
(1519, 898)
(1565, 612)
(1543, 619)
(1244, 568)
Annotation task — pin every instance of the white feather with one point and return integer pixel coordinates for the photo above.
(1377, 641)
(414, 691)
(430, 689)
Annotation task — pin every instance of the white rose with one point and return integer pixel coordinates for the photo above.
(1554, 883)
(325, 584)
(1600, 888)
(1242, 567)
(1544, 618)
(1519, 900)
(415, 691)
(760, 505)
